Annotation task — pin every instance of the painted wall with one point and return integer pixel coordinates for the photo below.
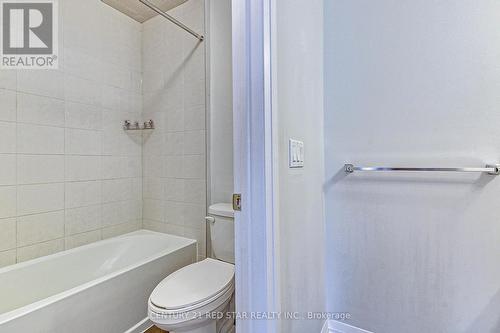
(299, 106)
(221, 102)
(69, 175)
(174, 154)
(413, 83)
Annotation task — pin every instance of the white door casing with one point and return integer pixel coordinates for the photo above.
(257, 288)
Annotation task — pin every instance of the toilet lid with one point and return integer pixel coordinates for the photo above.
(221, 209)
(193, 284)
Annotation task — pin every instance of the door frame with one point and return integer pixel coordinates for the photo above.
(255, 167)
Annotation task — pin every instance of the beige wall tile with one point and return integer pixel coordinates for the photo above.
(7, 234)
(82, 219)
(40, 110)
(39, 228)
(121, 229)
(7, 258)
(8, 103)
(83, 142)
(40, 169)
(81, 168)
(7, 169)
(41, 198)
(39, 250)
(82, 239)
(36, 139)
(8, 201)
(9, 139)
(80, 194)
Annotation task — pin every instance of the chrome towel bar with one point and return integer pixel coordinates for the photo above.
(489, 169)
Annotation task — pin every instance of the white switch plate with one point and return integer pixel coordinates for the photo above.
(295, 154)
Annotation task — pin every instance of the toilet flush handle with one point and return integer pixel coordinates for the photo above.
(209, 219)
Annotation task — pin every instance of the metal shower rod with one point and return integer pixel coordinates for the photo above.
(172, 19)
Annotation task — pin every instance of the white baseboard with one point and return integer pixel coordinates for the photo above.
(141, 326)
(333, 326)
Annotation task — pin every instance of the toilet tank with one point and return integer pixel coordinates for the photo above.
(222, 231)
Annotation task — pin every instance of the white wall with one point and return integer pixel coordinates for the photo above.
(299, 99)
(174, 154)
(413, 83)
(221, 102)
(69, 174)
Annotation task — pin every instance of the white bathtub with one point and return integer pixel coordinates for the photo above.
(101, 287)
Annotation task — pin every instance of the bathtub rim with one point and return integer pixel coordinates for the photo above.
(24, 310)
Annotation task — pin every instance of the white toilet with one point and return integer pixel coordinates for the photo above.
(199, 298)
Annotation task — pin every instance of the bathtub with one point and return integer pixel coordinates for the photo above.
(101, 287)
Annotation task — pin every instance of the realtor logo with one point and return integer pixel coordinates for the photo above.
(29, 34)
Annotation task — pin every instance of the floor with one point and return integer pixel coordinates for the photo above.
(155, 329)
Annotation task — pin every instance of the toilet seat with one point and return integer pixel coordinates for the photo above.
(193, 287)
(205, 306)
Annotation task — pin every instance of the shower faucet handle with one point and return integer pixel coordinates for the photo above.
(135, 126)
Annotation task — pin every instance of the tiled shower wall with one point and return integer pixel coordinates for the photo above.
(175, 153)
(69, 174)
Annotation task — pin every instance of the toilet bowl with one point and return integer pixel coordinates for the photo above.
(198, 298)
(195, 298)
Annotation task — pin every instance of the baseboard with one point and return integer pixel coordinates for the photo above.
(141, 326)
(333, 326)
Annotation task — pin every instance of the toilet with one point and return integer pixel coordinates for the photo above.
(199, 298)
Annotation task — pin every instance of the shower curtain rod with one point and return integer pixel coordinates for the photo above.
(172, 19)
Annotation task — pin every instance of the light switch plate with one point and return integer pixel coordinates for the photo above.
(295, 154)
